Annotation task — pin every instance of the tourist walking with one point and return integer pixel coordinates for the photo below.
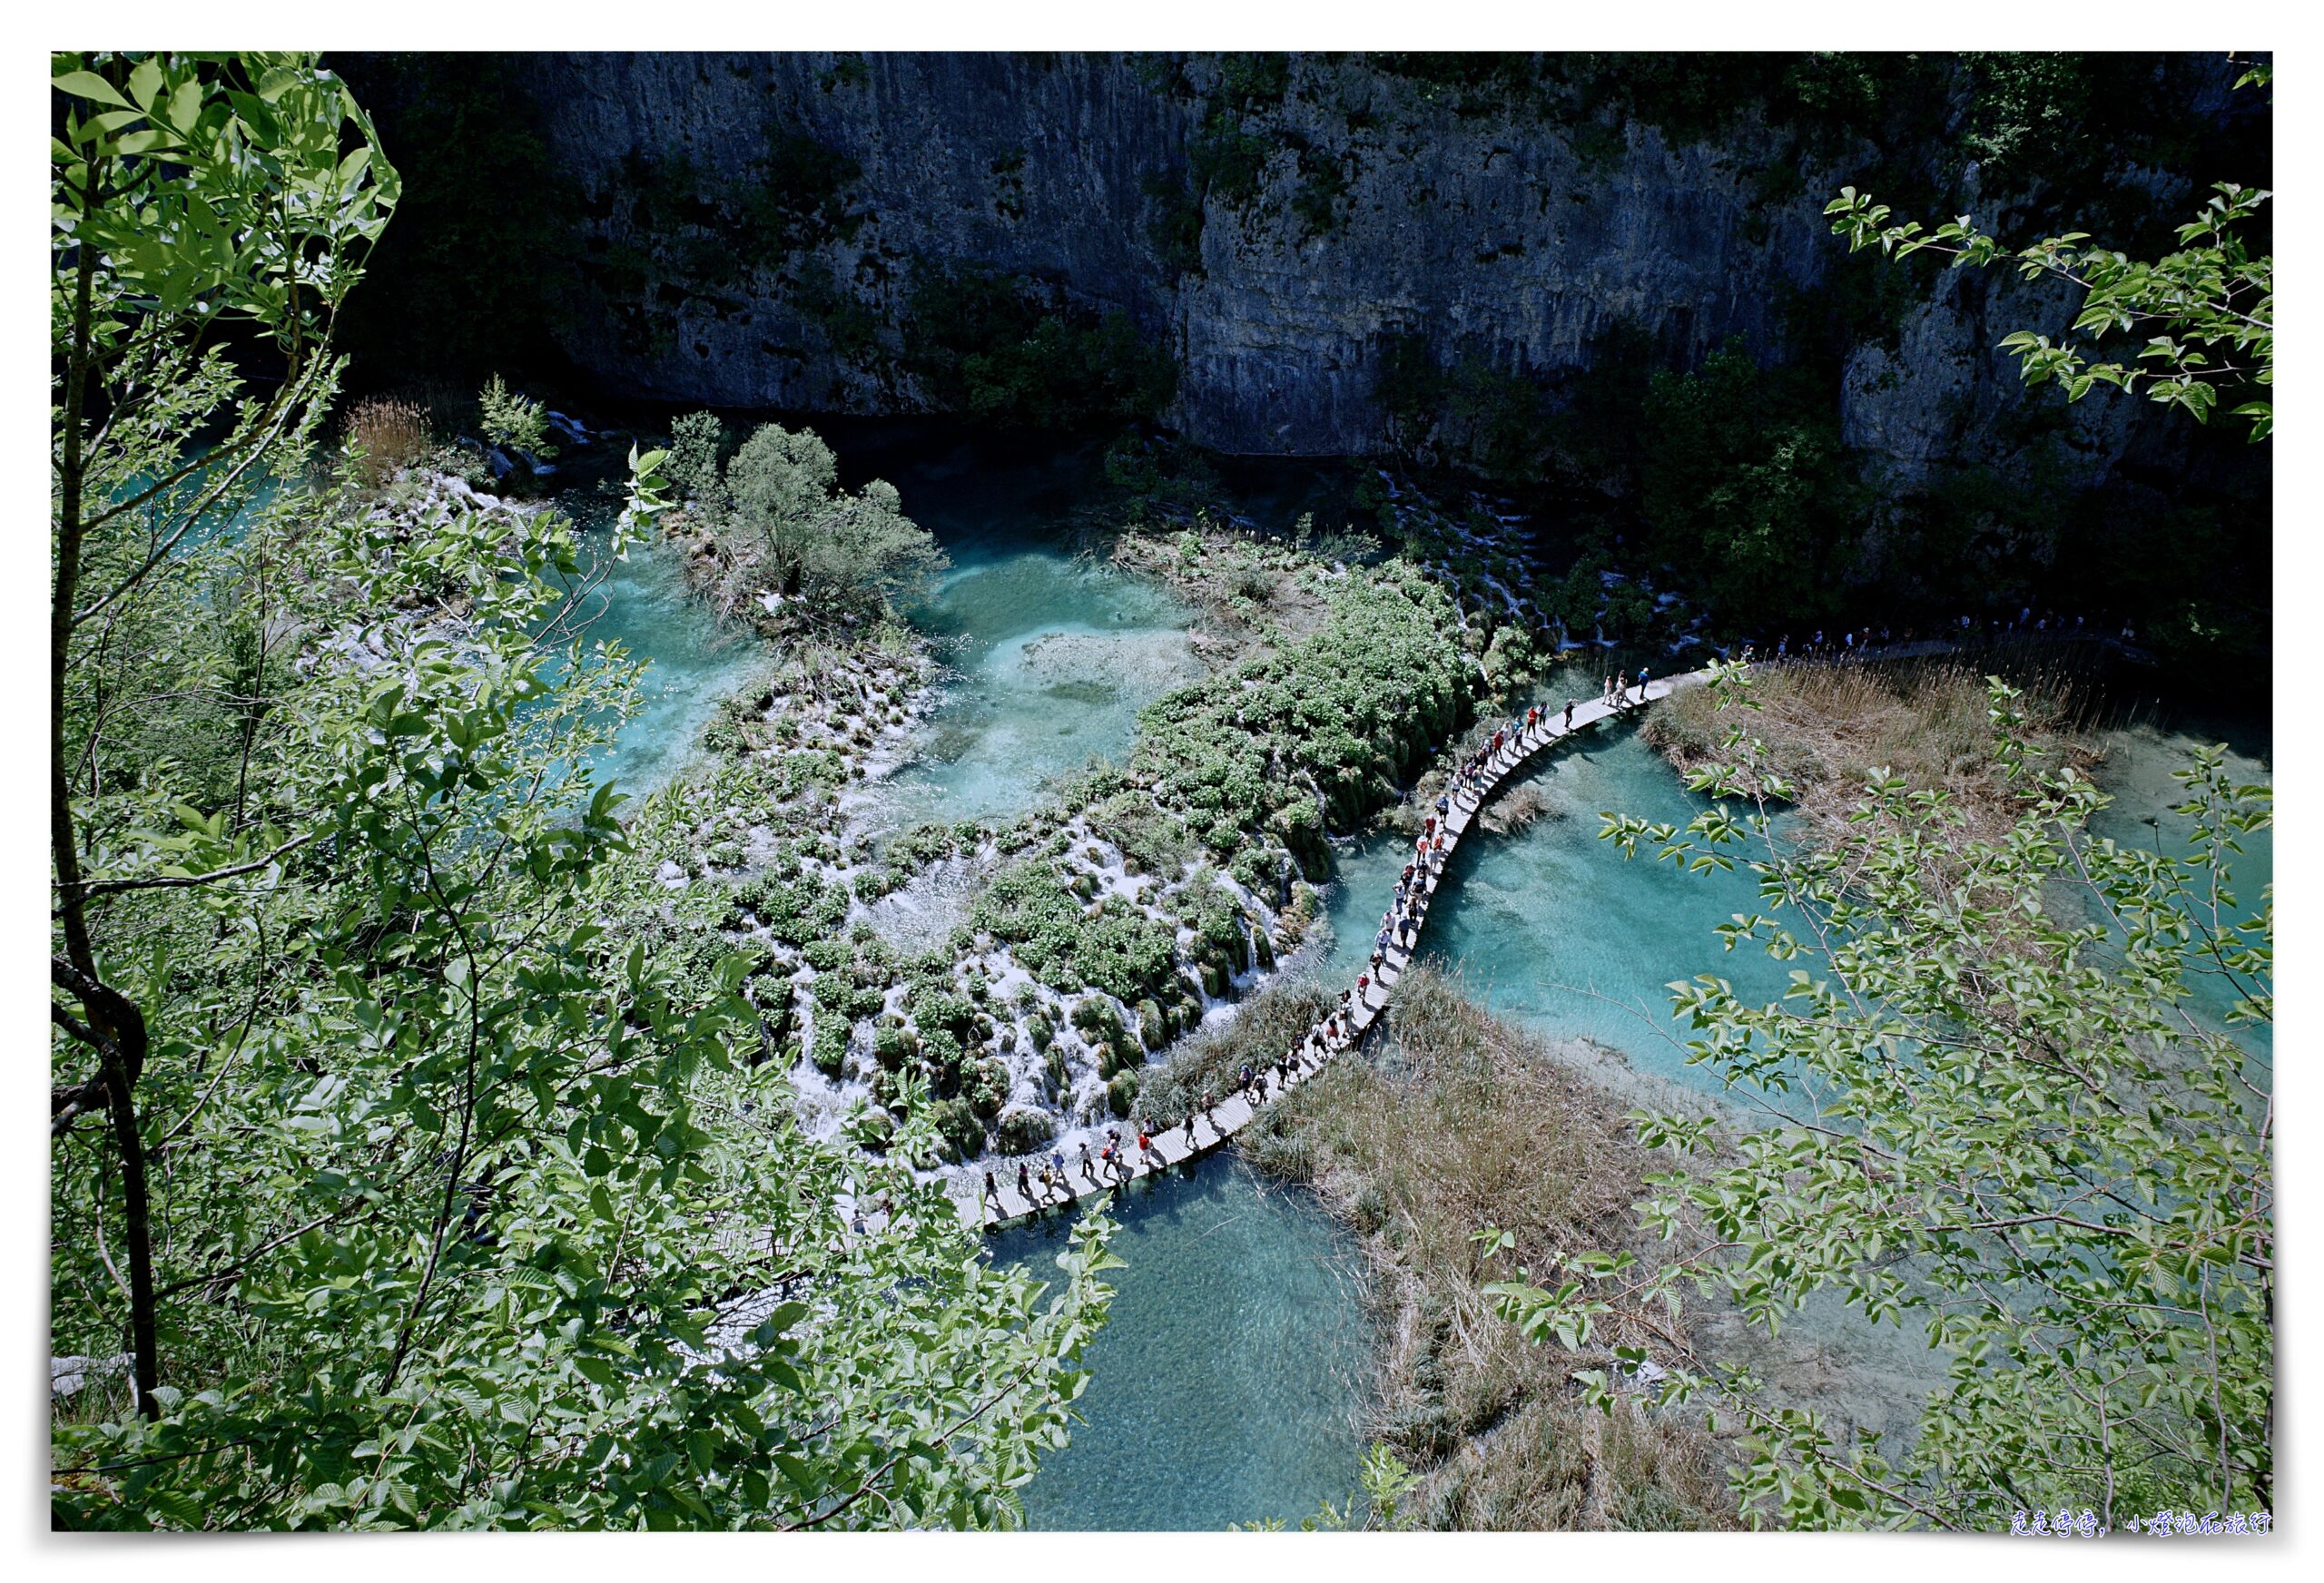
(1568, 714)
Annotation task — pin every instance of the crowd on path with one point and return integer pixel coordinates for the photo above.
(1858, 642)
(1470, 784)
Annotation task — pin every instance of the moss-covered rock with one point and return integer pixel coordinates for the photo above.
(985, 1086)
(1021, 1131)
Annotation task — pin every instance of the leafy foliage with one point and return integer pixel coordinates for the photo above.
(993, 346)
(780, 520)
(1744, 488)
(1330, 721)
(2205, 314)
(432, 1143)
(514, 421)
(2005, 1112)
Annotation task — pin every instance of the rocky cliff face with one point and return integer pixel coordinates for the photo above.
(755, 225)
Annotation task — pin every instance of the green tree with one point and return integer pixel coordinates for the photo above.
(1746, 489)
(854, 550)
(514, 422)
(695, 442)
(421, 1189)
(2000, 1108)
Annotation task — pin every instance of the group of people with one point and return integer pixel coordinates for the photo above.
(1111, 1165)
(1855, 642)
(1616, 692)
(1399, 927)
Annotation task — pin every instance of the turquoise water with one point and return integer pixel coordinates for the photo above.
(1050, 659)
(2138, 773)
(1225, 1387)
(695, 659)
(1551, 927)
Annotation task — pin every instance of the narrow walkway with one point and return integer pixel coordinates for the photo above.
(1180, 1143)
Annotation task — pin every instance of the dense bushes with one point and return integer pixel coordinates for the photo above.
(1030, 906)
(795, 910)
(1746, 489)
(1339, 715)
(775, 518)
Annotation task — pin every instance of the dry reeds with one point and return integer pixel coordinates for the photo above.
(1514, 810)
(392, 434)
(1457, 1123)
(1826, 727)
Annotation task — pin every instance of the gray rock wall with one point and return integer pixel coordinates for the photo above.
(1498, 235)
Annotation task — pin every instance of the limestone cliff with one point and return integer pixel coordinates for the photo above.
(755, 227)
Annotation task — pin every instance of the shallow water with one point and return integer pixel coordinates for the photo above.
(1226, 1386)
(1551, 927)
(694, 660)
(1051, 658)
(1225, 1389)
(2137, 772)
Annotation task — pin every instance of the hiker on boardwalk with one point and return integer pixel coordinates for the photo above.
(1568, 714)
(992, 1190)
(1024, 1183)
(1641, 686)
(1088, 1174)
(1191, 1113)
(1443, 808)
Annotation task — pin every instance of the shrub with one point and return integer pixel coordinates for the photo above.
(1121, 1093)
(692, 467)
(1022, 1131)
(830, 1046)
(987, 1089)
(892, 1046)
(513, 423)
(959, 1127)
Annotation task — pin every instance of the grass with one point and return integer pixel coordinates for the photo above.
(1458, 1121)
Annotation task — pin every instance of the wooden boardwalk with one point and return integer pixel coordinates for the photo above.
(1233, 1113)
